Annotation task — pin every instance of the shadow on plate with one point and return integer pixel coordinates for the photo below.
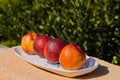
(100, 71)
(90, 62)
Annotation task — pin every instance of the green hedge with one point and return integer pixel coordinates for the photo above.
(93, 24)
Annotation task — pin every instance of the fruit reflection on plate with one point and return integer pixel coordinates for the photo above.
(89, 66)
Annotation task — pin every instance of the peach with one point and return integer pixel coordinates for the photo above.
(27, 42)
(53, 49)
(72, 57)
(39, 44)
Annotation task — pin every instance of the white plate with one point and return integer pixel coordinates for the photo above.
(88, 67)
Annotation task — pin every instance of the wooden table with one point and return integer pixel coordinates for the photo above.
(13, 67)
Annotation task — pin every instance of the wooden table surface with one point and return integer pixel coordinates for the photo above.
(13, 67)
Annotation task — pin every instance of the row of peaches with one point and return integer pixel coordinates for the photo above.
(70, 56)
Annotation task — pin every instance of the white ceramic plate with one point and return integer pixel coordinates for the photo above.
(88, 67)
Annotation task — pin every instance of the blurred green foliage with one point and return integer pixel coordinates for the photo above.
(92, 24)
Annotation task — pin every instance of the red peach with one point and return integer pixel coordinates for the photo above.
(53, 49)
(40, 43)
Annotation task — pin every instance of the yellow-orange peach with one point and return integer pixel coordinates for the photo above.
(27, 42)
(72, 57)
